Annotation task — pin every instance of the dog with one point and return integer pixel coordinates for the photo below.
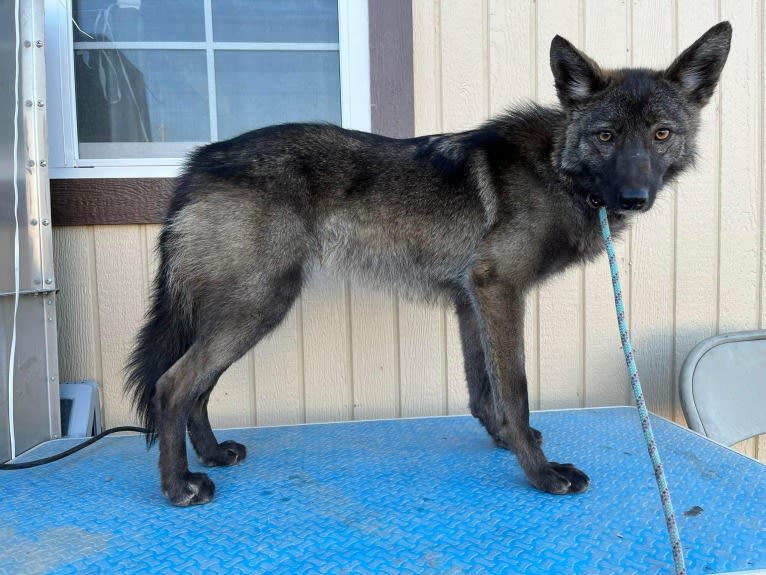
(476, 218)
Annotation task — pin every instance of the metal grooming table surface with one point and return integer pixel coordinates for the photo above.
(429, 495)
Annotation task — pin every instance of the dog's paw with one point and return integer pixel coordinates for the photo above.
(560, 479)
(193, 489)
(578, 481)
(225, 454)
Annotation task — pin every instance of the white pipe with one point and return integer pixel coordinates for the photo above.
(16, 258)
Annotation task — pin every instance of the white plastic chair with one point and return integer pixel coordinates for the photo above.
(723, 386)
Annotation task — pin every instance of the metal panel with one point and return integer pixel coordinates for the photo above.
(35, 389)
(5, 430)
(35, 244)
(35, 368)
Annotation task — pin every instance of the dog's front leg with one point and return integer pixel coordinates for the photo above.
(500, 310)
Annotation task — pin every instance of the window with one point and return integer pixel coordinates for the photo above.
(135, 84)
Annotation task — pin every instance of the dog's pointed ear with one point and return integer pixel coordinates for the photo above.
(577, 76)
(698, 68)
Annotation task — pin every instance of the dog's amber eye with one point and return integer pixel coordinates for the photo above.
(662, 134)
(605, 136)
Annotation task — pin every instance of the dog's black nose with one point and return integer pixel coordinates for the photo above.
(634, 198)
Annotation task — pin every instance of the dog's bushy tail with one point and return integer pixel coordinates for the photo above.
(166, 335)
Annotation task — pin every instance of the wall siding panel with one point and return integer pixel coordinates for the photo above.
(77, 309)
(375, 354)
(697, 211)
(121, 258)
(326, 345)
(512, 60)
(421, 360)
(740, 200)
(693, 267)
(278, 373)
(762, 163)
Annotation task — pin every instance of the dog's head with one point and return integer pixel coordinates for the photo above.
(632, 130)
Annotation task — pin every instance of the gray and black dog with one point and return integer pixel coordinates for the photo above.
(475, 218)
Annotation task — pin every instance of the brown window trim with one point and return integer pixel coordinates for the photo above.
(81, 202)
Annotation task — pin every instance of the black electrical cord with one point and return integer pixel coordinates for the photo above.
(75, 449)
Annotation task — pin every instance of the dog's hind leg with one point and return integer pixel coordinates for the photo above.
(228, 328)
(209, 451)
(479, 386)
(500, 309)
(177, 393)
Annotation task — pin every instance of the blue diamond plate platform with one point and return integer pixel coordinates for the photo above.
(429, 495)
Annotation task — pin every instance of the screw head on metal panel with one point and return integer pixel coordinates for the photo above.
(27, 43)
(28, 103)
(39, 44)
(40, 103)
(33, 222)
(46, 222)
(43, 163)
(48, 281)
(30, 163)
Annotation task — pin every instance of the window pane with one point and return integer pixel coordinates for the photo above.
(139, 20)
(256, 89)
(140, 96)
(275, 21)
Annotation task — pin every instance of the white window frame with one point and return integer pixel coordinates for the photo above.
(63, 161)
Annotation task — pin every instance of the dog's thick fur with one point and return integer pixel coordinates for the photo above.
(476, 218)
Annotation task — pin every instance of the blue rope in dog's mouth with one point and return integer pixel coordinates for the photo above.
(654, 454)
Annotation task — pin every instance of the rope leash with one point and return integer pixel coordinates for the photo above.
(651, 445)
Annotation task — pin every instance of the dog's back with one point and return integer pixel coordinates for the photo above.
(403, 213)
